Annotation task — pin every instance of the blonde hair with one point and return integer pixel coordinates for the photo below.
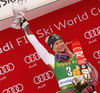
(46, 39)
(67, 49)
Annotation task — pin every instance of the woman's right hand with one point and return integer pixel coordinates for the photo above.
(19, 21)
(19, 10)
(16, 21)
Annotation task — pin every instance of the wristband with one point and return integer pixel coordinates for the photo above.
(22, 21)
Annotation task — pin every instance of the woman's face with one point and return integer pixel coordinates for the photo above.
(59, 46)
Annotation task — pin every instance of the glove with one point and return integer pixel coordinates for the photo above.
(90, 88)
(18, 22)
(24, 23)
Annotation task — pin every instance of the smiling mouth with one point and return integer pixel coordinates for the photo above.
(61, 47)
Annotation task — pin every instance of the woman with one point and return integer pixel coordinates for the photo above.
(64, 63)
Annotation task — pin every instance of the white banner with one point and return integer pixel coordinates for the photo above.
(6, 6)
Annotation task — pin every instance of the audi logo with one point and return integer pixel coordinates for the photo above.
(6, 68)
(96, 54)
(43, 77)
(31, 58)
(92, 33)
(14, 89)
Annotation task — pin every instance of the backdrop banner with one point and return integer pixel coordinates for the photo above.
(6, 5)
(21, 68)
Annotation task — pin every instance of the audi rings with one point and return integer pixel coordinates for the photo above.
(14, 89)
(31, 58)
(6, 68)
(43, 77)
(92, 33)
(96, 54)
